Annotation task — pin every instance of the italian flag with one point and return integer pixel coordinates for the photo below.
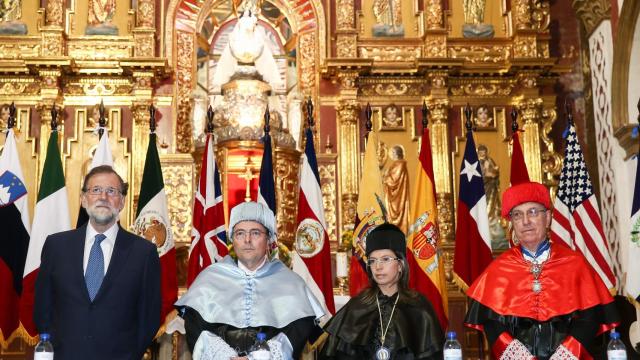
(51, 216)
(152, 223)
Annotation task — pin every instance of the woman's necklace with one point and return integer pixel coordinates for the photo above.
(383, 352)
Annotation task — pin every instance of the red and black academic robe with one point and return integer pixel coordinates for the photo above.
(573, 307)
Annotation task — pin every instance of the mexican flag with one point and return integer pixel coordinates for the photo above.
(51, 216)
(152, 223)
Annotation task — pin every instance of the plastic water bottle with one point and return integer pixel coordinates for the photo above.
(452, 347)
(616, 349)
(44, 349)
(260, 349)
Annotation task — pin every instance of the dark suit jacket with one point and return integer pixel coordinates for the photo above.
(123, 318)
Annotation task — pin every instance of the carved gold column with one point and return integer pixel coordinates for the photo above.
(185, 60)
(286, 169)
(139, 141)
(143, 33)
(531, 114)
(347, 118)
(52, 34)
(346, 34)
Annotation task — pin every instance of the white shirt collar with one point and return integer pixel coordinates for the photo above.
(111, 232)
(252, 272)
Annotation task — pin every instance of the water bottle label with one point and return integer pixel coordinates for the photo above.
(43, 356)
(453, 354)
(260, 355)
(616, 354)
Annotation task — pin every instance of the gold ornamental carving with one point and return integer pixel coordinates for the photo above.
(438, 79)
(483, 89)
(19, 86)
(328, 183)
(145, 14)
(286, 169)
(345, 12)
(139, 138)
(347, 118)
(88, 49)
(349, 208)
(525, 47)
(551, 160)
(19, 50)
(54, 13)
(306, 48)
(393, 89)
(184, 79)
(445, 216)
(541, 15)
(433, 11)
(528, 80)
(178, 175)
(435, 46)
(390, 53)
(144, 44)
(592, 12)
(522, 14)
(478, 53)
(52, 43)
(346, 46)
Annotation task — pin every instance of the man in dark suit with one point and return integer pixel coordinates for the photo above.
(98, 289)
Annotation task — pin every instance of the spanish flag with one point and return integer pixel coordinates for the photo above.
(369, 214)
(425, 261)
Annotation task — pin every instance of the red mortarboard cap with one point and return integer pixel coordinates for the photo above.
(522, 193)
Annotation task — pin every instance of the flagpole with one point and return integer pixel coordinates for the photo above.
(102, 121)
(368, 123)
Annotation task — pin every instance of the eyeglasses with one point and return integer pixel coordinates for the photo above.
(383, 260)
(531, 213)
(98, 190)
(242, 234)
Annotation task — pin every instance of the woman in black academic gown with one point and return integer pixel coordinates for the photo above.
(386, 320)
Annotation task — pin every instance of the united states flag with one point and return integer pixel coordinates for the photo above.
(208, 237)
(576, 218)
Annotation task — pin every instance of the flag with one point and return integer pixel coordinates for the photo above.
(208, 236)
(426, 265)
(519, 173)
(51, 216)
(576, 218)
(632, 285)
(152, 222)
(266, 185)
(14, 243)
(102, 156)
(312, 256)
(473, 238)
(370, 213)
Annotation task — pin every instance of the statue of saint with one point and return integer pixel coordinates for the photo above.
(100, 21)
(396, 189)
(388, 14)
(474, 26)
(10, 14)
(491, 179)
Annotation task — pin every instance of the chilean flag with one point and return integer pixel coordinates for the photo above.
(311, 258)
(473, 240)
(208, 236)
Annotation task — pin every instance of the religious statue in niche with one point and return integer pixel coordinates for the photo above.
(396, 189)
(491, 179)
(474, 26)
(484, 118)
(388, 14)
(392, 118)
(10, 14)
(100, 21)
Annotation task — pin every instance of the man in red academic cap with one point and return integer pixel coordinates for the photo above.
(538, 300)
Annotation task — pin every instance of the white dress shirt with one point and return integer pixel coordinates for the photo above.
(106, 244)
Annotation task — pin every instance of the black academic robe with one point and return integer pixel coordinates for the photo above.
(413, 333)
